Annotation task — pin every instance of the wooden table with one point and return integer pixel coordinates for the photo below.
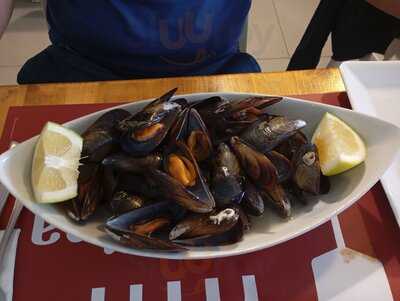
(279, 83)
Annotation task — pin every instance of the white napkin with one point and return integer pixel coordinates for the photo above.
(7, 265)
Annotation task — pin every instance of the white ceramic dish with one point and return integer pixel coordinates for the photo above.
(381, 139)
(374, 89)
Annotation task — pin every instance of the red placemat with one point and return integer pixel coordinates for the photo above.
(51, 265)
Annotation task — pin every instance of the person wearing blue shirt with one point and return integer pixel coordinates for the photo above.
(121, 39)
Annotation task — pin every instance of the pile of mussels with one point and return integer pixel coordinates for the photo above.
(177, 174)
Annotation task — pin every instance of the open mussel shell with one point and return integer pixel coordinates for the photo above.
(182, 181)
(252, 202)
(262, 173)
(196, 201)
(212, 229)
(144, 131)
(90, 193)
(197, 138)
(101, 138)
(178, 129)
(123, 162)
(124, 221)
(227, 181)
(190, 129)
(136, 228)
(264, 135)
(307, 170)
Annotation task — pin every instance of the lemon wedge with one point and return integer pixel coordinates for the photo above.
(55, 164)
(340, 148)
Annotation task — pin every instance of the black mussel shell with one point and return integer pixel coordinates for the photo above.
(264, 135)
(227, 181)
(90, 194)
(252, 202)
(212, 223)
(255, 164)
(143, 242)
(124, 163)
(190, 129)
(278, 199)
(153, 124)
(125, 227)
(282, 165)
(197, 138)
(197, 196)
(263, 174)
(101, 138)
(232, 234)
(306, 169)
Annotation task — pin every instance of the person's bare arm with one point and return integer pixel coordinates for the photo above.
(6, 8)
(391, 7)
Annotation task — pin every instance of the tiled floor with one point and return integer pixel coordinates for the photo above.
(274, 32)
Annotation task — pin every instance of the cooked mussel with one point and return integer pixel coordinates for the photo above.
(101, 138)
(90, 193)
(263, 174)
(145, 130)
(227, 180)
(137, 228)
(226, 118)
(252, 202)
(214, 228)
(307, 170)
(182, 181)
(197, 138)
(212, 163)
(264, 135)
(191, 130)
